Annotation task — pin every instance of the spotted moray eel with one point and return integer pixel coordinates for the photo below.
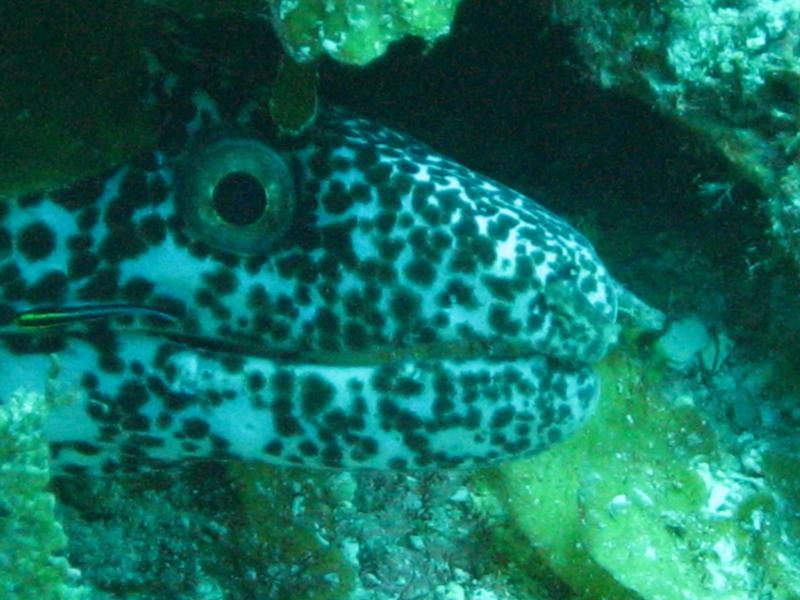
(345, 299)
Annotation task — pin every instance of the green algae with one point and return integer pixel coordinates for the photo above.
(32, 541)
(643, 503)
(72, 74)
(349, 31)
(356, 32)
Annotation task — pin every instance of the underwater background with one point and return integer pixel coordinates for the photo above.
(665, 134)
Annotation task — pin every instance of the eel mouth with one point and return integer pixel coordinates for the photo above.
(167, 325)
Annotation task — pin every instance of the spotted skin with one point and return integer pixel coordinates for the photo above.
(411, 313)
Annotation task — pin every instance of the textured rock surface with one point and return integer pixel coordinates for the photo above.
(729, 70)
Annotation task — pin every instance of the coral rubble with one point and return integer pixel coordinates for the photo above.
(32, 541)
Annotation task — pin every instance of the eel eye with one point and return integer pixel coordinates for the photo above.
(236, 195)
(239, 199)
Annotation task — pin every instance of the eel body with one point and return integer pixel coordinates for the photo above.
(344, 299)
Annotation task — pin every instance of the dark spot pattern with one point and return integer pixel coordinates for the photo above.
(36, 241)
(413, 314)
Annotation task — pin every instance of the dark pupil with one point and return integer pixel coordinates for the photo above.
(239, 198)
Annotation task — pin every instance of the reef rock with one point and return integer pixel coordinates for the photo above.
(728, 70)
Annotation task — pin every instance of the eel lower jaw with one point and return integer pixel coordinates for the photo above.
(453, 352)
